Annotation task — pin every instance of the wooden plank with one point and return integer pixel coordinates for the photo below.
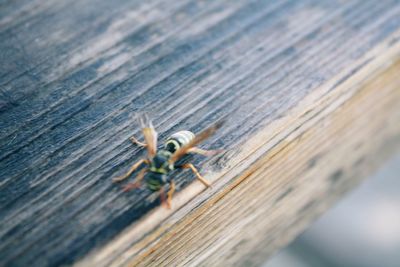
(77, 72)
(332, 145)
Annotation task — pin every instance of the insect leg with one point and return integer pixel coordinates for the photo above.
(170, 193)
(163, 199)
(207, 153)
(132, 169)
(136, 184)
(196, 172)
(137, 142)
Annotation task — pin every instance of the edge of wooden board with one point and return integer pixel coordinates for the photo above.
(158, 227)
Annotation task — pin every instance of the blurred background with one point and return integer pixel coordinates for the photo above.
(362, 230)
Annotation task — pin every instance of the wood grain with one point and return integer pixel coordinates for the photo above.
(340, 139)
(75, 73)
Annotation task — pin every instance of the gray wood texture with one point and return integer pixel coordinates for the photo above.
(320, 154)
(73, 74)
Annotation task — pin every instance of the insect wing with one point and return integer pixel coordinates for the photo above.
(150, 134)
(198, 139)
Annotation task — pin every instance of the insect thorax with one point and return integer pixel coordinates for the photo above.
(159, 168)
(178, 139)
(159, 163)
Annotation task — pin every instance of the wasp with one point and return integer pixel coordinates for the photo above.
(159, 163)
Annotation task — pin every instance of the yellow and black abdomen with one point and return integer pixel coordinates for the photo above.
(178, 140)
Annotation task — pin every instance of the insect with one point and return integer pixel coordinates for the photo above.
(160, 163)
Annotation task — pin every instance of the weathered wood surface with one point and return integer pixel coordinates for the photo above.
(74, 73)
(250, 213)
